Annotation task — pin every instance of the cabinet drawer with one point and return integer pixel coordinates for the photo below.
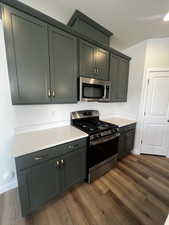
(35, 158)
(127, 128)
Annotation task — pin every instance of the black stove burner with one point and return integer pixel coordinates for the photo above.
(92, 126)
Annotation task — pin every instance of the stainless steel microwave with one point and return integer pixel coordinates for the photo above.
(94, 90)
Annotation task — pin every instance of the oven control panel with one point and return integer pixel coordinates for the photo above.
(113, 133)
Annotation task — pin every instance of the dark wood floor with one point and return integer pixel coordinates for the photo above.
(134, 193)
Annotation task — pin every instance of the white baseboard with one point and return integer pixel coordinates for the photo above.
(9, 186)
(135, 151)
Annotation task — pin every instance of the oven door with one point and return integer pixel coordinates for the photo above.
(94, 90)
(99, 153)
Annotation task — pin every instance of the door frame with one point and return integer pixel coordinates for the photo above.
(142, 107)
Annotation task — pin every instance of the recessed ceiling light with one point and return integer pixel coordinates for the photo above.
(166, 17)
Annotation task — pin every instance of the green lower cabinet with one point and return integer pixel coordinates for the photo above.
(126, 142)
(43, 181)
(75, 168)
(40, 183)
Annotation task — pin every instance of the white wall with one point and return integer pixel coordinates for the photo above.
(137, 67)
(6, 117)
(157, 53)
(157, 56)
(153, 53)
(54, 9)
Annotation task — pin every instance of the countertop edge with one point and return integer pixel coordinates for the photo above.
(49, 146)
(120, 122)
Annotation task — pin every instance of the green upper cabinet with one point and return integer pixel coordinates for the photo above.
(28, 58)
(119, 72)
(102, 64)
(63, 62)
(93, 61)
(87, 59)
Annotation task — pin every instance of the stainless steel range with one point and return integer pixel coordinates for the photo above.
(103, 137)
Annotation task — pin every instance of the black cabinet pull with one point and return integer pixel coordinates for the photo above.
(37, 158)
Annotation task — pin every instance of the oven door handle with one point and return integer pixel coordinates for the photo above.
(103, 140)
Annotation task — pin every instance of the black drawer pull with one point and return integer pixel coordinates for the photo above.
(37, 158)
(73, 146)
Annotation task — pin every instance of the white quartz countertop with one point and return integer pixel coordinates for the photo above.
(121, 122)
(167, 221)
(30, 142)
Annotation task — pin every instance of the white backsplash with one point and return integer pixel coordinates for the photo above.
(28, 118)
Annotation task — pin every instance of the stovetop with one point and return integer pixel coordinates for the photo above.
(92, 126)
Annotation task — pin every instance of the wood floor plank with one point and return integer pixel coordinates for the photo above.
(145, 182)
(93, 213)
(111, 207)
(160, 160)
(101, 186)
(123, 196)
(144, 169)
(141, 199)
(135, 187)
(60, 213)
(154, 166)
(136, 192)
(74, 209)
(109, 216)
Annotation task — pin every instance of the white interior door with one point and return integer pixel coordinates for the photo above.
(156, 120)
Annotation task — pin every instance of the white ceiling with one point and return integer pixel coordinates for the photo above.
(131, 21)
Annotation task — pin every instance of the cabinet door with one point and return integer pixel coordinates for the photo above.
(123, 79)
(74, 167)
(102, 64)
(114, 78)
(43, 182)
(126, 143)
(119, 71)
(87, 59)
(130, 135)
(63, 57)
(27, 53)
(122, 148)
